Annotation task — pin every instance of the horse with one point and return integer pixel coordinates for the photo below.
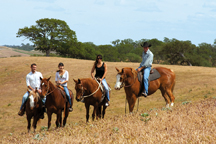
(88, 89)
(128, 77)
(33, 109)
(56, 101)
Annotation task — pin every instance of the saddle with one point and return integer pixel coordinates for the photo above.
(62, 92)
(154, 74)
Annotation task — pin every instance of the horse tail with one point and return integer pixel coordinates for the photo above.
(173, 82)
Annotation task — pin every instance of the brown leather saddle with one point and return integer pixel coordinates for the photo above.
(62, 92)
(154, 74)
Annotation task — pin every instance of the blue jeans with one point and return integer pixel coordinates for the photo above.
(146, 78)
(67, 93)
(25, 97)
(106, 88)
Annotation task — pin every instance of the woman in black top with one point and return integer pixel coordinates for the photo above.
(101, 71)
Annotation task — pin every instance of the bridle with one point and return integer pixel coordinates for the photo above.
(123, 83)
(48, 90)
(83, 91)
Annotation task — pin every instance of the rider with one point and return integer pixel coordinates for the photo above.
(145, 65)
(61, 78)
(101, 71)
(32, 82)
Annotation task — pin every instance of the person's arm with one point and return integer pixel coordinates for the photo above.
(56, 78)
(92, 71)
(67, 78)
(28, 83)
(105, 71)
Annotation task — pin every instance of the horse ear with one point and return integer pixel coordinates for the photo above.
(75, 81)
(122, 70)
(79, 81)
(117, 69)
(40, 78)
(36, 90)
(48, 78)
(28, 90)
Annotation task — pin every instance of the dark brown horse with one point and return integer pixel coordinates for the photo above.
(89, 89)
(33, 109)
(128, 77)
(55, 102)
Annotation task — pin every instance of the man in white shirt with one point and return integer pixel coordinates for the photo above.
(32, 82)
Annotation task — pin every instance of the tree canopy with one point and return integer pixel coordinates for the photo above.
(49, 35)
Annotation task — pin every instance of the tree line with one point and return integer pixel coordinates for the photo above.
(55, 35)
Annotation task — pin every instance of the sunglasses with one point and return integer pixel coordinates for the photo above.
(99, 58)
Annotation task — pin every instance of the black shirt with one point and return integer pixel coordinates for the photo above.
(99, 71)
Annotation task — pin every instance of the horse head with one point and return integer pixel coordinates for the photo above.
(122, 77)
(33, 97)
(44, 86)
(79, 89)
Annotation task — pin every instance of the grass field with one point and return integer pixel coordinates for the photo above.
(195, 86)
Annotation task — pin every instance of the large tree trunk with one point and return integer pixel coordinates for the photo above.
(48, 52)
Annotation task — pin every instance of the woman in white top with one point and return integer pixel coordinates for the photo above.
(61, 78)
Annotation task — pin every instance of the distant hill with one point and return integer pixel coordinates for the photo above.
(12, 52)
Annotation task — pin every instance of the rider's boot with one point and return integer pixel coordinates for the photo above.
(22, 111)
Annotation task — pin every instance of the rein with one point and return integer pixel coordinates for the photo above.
(48, 90)
(91, 93)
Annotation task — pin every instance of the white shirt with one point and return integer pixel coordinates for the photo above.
(33, 79)
(62, 78)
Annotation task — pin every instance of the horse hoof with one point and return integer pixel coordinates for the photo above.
(172, 104)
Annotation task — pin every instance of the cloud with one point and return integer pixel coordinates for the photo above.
(99, 2)
(48, 1)
(56, 9)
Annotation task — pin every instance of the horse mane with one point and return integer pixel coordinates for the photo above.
(134, 72)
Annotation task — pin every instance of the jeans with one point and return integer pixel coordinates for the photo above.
(106, 88)
(68, 94)
(146, 78)
(25, 97)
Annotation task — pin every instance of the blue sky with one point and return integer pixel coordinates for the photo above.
(103, 21)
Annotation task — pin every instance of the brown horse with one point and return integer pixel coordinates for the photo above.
(33, 109)
(55, 102)
(128, 77)
(89, 89)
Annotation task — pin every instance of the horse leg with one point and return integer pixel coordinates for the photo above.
(60, 119)
(171, 96)
(65, 117)
(58, 115)
(131, 102)
(49, 118)
(99, 112)
(104, 110)
(87, 111)
(29, 122)
(165, 95)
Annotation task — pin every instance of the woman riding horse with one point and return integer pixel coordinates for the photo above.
(61, 78)
(101, 72)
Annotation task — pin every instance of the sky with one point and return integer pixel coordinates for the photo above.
(104, 21)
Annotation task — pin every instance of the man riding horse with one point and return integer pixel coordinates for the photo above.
(33, 83)
(145, 65)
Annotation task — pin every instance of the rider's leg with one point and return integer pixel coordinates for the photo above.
(146, 78)
(24, 99)
(22, 108)
(68, 95)
(106, 89)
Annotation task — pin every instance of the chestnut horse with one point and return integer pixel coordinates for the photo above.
(128, 77)
(89, 89)
(33, 109)
(55, 102)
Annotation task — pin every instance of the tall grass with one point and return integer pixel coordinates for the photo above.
(191, 123)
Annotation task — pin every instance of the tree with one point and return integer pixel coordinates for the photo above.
(48, 34)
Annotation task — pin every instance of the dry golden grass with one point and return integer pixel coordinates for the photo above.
(192, 123)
